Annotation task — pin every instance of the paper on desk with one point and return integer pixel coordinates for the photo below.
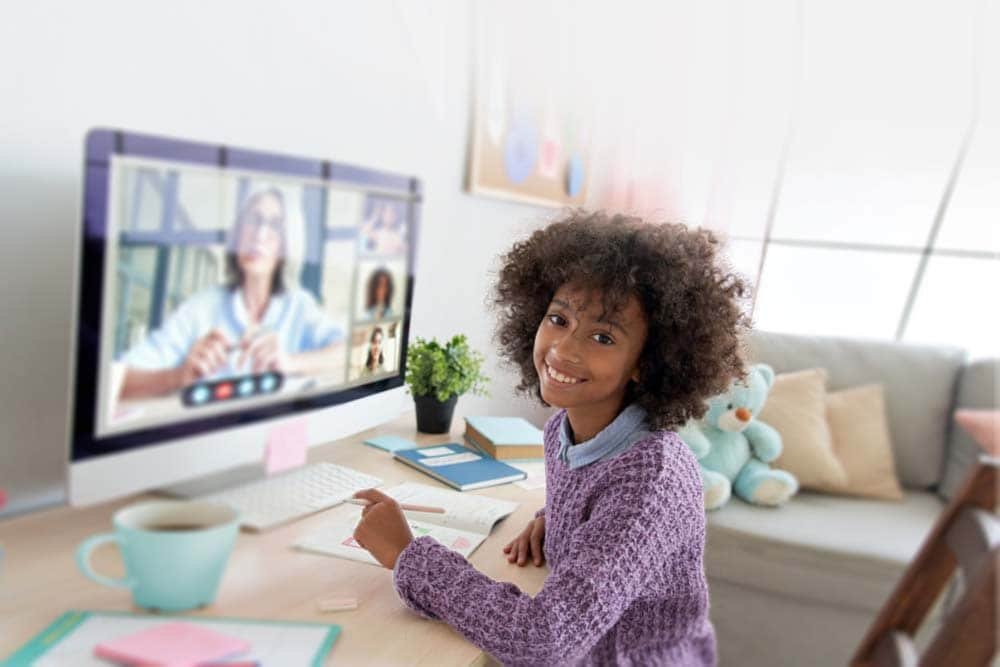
(337, 539)
(535, 471)
(463, 511)
(467, 521)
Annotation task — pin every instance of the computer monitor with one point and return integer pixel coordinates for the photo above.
(223, 291)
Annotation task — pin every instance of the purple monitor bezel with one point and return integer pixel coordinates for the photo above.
(100, 145)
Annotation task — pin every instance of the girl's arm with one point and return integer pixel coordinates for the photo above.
(627, 540)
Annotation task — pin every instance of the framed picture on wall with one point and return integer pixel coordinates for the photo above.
(529, 139)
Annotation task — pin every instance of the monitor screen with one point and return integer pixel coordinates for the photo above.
(222, 286)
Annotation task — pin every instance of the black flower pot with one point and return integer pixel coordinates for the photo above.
(434, 416)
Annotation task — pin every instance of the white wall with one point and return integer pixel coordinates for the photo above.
(380, 84)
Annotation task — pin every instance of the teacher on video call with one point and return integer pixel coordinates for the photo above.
(254, 323)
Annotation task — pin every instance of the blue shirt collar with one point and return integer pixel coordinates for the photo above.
(628, 428)
(276, 306)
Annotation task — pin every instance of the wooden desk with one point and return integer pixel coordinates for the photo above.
(265, 578)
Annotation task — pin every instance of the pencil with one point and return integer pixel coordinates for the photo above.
(413, 508)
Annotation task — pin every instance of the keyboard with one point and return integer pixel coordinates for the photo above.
(291, 495)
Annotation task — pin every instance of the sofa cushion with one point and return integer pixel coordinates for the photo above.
(919, 383)
(976, 390)
(861, 442)
(796, 409)
(820, 548)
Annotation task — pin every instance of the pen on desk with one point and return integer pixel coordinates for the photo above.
(413, 508)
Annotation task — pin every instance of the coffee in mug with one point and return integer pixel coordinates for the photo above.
(175, 552)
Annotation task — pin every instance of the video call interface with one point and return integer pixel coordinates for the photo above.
(226, 289)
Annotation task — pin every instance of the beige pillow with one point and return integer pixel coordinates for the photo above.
(861, 441)
(796, 408)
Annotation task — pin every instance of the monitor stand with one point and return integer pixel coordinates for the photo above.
(216, 482)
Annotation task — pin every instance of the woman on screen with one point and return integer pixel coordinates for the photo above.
(383, 232)
(253, 323)
(375, 361)
(379, 295)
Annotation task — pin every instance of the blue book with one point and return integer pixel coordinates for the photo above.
(505, 437)
(459, 467)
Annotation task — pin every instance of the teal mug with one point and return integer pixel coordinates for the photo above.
(174, 551)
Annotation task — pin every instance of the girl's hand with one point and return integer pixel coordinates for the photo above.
(383, 529)
(528, 544)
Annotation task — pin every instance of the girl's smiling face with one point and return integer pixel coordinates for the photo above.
(585, 358)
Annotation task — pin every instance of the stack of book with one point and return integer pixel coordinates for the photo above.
(504, 438)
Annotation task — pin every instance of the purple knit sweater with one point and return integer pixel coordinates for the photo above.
(624, 539)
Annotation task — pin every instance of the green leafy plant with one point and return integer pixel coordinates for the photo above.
(445, 370)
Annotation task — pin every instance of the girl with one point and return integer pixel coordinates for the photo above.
(628, 327)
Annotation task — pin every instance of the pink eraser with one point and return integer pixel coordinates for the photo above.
(337, 604)
(172, 644)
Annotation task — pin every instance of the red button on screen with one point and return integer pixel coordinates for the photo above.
(224, 391)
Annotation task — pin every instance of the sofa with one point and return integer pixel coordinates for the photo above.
(800, 584)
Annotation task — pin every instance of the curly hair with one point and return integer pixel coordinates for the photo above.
(372, 297)
(691, 301)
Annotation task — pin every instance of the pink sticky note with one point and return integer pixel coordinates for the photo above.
(172, 644)
(286, 447)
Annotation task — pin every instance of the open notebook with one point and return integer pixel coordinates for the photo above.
(466, 524)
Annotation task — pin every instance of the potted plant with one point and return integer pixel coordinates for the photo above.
(437, 375)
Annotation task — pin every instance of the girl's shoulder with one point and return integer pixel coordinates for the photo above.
(657, 471)
(659, 456)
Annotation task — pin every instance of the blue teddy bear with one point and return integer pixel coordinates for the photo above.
(734, 449)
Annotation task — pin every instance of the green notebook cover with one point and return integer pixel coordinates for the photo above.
(64, 626)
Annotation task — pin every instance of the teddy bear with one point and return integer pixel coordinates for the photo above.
(734, 449)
